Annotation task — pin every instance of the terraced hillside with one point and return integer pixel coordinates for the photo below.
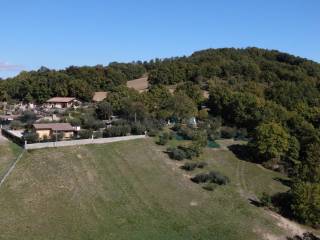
(131, 190)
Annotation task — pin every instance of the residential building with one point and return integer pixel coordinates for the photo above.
(62, 102)
(50, 130)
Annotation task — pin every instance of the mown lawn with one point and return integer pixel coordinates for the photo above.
(130, 190)
(8, 153)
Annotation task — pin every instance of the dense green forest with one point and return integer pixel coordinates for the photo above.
(273, 96)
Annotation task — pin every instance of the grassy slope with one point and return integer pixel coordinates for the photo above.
(127, 190)
(8, 153)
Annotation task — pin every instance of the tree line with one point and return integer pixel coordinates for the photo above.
(273, 96)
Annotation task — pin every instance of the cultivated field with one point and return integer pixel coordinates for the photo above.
(140, 84)
(131, 190)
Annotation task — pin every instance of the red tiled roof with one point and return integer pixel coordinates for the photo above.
(53, 126)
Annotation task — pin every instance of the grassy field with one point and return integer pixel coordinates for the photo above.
(8, 153)
(130, 190)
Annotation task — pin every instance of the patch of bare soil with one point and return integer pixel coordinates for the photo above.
(289, 226)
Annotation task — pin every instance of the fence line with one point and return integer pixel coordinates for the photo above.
(11, 168)
(81, 142)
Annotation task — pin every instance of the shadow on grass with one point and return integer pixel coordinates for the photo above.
(256, 202)
(286, 182)
(243, 152)
(279, 203)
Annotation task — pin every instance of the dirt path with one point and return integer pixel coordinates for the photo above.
(290, 228)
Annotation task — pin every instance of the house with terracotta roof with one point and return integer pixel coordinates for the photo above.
(62, 102)
(99, 96)
(49, 130)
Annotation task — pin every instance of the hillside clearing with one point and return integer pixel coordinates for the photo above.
(130, 190)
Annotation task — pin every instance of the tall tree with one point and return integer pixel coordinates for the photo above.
(271, 140)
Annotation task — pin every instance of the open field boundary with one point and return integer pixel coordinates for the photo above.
(81, 142)
(4, 177)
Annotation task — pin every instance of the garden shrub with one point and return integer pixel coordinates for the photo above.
(177, 154)
(218, 178)
(164, 138)
(189, 166)
(192, 166)
(200, 178)
(117, 131)
(31, 137)
(138, 128)
(211, 177)
(228, 132)
(85, 134)
(266, 200)
(188, 151)
(186, 132)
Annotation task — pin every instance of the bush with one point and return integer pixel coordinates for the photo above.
(192, 166)
(200, 178)
(97, 134)
(117, 131)
(189, 166)
(154, 126)
(31, 137)
(305, 203)
(177, 154)
(164, 138)
(266, 200)
(90, 122)
(28, 117)
(16, 124)
(228, 132)
(85, 134)
(211, 177)
(186, 132)
(45, 138)
(188, 151)
(218, 178)
(138, 129)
